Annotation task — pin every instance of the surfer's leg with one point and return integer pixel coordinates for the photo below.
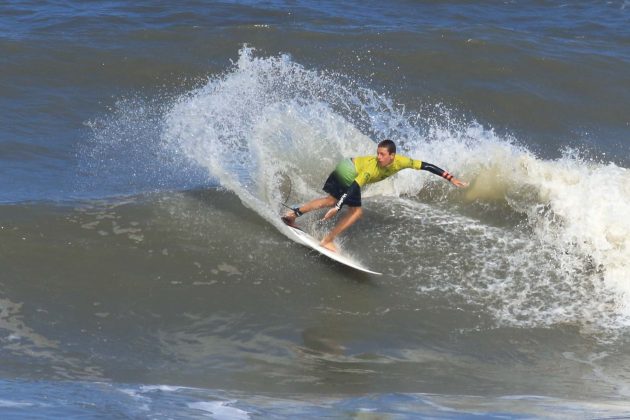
(318, 203)
(353, 214)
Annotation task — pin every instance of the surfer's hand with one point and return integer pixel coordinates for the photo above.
(458, 183)
(331, 213)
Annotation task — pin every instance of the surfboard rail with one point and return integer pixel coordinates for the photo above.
(307, 240)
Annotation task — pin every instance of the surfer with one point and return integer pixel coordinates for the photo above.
(344, 186)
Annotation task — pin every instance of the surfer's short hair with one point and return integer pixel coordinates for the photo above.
(389, 145)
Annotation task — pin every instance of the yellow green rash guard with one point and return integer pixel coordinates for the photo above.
(365, 170)
(352, 174)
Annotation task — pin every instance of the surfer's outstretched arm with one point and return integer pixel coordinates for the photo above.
(425, 166)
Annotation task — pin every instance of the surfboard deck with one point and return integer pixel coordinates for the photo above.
(307, 240)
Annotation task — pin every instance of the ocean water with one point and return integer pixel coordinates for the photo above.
(146, 152)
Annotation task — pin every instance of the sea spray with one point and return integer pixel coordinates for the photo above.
(266, 117)
(124, 154)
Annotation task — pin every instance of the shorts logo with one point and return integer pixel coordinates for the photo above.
(341, 200)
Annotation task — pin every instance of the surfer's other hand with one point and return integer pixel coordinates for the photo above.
(458, 183)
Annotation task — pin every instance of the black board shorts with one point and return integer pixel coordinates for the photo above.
(333, 187)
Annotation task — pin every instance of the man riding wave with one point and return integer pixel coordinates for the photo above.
(345, 182)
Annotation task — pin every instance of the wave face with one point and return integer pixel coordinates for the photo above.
(550, 245)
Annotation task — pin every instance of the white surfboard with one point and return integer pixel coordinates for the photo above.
(307, 240)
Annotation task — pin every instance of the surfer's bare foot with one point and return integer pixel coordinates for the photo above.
(330, 246)
(289, 219)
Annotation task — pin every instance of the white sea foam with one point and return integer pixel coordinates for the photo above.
(220, 410)
(271, 130)
(14, 404)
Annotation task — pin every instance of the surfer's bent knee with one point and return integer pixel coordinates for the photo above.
(357, 211)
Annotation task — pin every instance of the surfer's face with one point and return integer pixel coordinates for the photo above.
(383, 156)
